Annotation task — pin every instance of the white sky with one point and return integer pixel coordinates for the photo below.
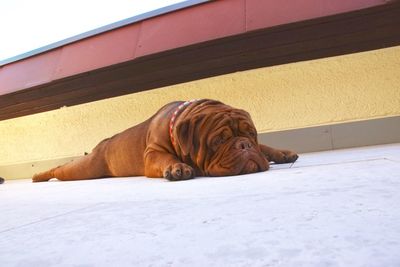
(29, 24)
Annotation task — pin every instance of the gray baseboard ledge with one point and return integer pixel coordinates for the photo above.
(28, 169)
(311, 139)
(336, 136)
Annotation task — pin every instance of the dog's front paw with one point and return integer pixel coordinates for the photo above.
(285, 156)
(178, 172)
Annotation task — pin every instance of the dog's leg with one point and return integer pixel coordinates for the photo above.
(278, 155)
(163, 164)
(44, 176)
(87, 167)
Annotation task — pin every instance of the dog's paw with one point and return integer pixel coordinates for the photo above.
(178, 172)
(285, 156)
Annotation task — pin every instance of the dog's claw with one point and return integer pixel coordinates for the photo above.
(167, 174)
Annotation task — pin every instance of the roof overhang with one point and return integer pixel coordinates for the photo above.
(204, 40)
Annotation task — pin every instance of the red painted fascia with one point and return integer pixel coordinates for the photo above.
(204, 22)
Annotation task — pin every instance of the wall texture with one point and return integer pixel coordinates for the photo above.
(339, 89)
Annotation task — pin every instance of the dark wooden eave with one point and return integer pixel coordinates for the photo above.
(372, 28)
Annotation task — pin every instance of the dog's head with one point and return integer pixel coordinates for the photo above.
(218, 140)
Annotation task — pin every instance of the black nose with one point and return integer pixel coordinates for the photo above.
(243, 145)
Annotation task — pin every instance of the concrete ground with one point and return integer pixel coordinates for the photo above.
(334, 208)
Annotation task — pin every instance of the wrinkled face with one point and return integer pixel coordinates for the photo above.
(222, 142)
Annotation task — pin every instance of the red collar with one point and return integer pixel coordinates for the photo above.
(177, 111)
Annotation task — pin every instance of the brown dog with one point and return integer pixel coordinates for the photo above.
(181, 141)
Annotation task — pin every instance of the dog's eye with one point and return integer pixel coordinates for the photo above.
(218, 141)
(252, 134)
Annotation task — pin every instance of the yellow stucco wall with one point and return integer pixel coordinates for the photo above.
(338, 89)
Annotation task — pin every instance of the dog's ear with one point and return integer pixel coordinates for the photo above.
(187, 132)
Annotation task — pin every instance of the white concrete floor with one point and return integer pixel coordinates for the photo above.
(334, 208)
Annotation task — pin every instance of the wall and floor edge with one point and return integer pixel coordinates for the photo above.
(310, 139)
